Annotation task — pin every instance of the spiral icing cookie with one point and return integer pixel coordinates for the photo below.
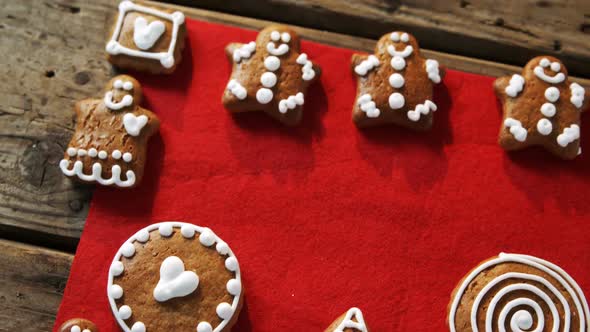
(351, 321)
(78, 325)
(175, 276)
(518, 293)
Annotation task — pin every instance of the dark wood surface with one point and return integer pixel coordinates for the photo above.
(52, 54)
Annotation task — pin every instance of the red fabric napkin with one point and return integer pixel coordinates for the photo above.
(324, 216)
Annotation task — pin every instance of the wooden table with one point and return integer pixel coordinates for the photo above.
(52, 54)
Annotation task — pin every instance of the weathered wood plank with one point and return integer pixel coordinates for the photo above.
(32, 281)
(498, 30)
(52, 54)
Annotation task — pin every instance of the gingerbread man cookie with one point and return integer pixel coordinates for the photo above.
(78, 325)
(270, 75)
(175, 276)
(145, 38)
(110, 141)
(351, 321)
(541, 107)
(395, 85)
(518, 293)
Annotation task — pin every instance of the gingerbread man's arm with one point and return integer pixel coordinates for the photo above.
(434, 71)
(578, 97)
(153, 122)
(509, 86)
(236, 52)
(362, 64)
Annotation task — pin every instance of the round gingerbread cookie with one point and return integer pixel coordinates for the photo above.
(78, 325)
(175, 276)
(518, 293)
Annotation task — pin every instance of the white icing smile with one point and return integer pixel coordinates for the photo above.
(127, 99)
(404, 54)
(174, 280)
(555, 67)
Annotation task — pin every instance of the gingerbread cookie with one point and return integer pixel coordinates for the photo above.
(541, 107)
(270, 75)
(395, 85)
(110, 141)
(351, 321)
(175, 276)
(145, 38)
(518, 293)
(78, 325)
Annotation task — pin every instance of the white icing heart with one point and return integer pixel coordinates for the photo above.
(133, 124)
(174, 280)
(145, 35)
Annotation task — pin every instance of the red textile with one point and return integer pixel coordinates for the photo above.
(324, 216)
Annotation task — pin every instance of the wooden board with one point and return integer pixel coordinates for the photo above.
(54, 55)
(504, 31)
(32, 281)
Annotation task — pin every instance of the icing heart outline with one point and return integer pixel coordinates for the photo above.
(134, 124)
(174, 280)
(146, 35)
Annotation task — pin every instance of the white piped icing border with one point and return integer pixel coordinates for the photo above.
(165, 58)
(96, 176)
(207, 238)
(521, 317)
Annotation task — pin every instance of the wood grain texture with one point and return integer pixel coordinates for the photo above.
(32, 281)
(52, 54)
(498, 30)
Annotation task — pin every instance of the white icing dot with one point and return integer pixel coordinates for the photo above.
(127, 156)
(405, 38)
(116, 291)
(204, 327)
(165, 230)
(544, 127)
(268, 79)
(116, 154)
(275, 36)
(396, 101)
(224, 310)
(396, 80)
(394, 36)
(102, 154)
(555, 66)
(128, 249)
(523, 320)
(187, 231)
(548, 109)
(544, 62)
(222, 248)
(117, 268)
(71, 152)
(92, 152)
(86, 330)
(398, 63)
(125, 312)
(234, 287)
(81, 152)
(207, 238)
(138, 327)
(142, 236)
(128, 86)
(264, 96)
(285, 37)
(272, 63)
(231, 263)
(75, 328)
(552, 94)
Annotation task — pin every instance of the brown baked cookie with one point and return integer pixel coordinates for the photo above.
(78, 325)
(146, 38)
(269, 75)
(175, 276)
(395, 85)
(542, 108)
(518, 293)
(351, 321)
(110, 141)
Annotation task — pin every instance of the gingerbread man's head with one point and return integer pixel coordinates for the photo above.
(121, 92)
(278, 40)
(547, 69)
(398, 44)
